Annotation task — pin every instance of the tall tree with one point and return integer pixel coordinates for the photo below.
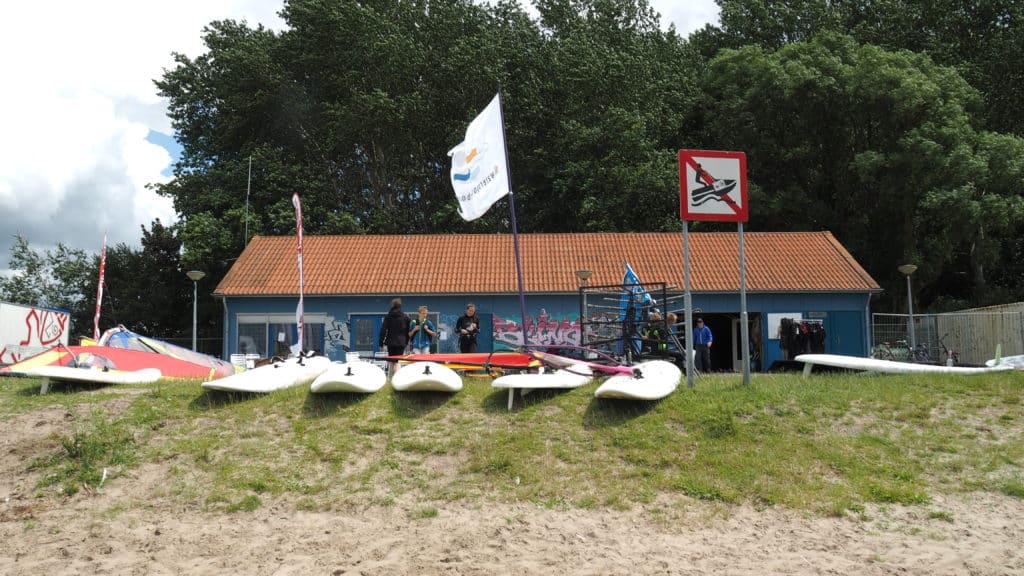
(978, 38)
(614, 119)
(877, 146)
(146, 290)
(51, 278)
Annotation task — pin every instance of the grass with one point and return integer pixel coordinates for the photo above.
(827, 444)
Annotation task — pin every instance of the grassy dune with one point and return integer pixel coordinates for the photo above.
(827, 444)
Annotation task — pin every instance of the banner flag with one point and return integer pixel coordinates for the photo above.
(479, 173)
(297, 348)
(99, 289)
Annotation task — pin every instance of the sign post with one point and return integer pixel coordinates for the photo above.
(713, 186)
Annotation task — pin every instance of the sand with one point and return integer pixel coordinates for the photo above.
(130, 527)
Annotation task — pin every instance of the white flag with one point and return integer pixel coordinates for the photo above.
(479, 166)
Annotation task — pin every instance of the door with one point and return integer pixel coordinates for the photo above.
(366, 333)
(845, 334)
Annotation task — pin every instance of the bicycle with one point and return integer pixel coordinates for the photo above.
(897, 351)
(951, 357)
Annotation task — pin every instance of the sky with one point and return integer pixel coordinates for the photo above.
(82, 129)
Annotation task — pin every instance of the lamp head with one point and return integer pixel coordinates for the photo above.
(195, 275)
(907, 269)
(583, 274)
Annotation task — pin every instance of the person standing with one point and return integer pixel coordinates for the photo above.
(394, 332)
(421, 332)
(468, 326)
(702, 340)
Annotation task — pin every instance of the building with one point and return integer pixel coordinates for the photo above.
(793, 279)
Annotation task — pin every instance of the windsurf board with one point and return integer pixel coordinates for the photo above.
(1016, 362)
(889, 366)
(277, 375)
(652, 380)
(352, 376)
(571, 377)
(52, 374)
(426, 376)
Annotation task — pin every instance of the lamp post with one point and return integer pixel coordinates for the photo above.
(583, 275)
(195, 276)
(907, 270)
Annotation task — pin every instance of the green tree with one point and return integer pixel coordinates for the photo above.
(146, 290)
(877, 146)
(355, 106)
(977, 38)
(52, 278)
(612, 123)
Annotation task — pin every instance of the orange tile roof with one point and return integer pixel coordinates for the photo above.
(485, 264)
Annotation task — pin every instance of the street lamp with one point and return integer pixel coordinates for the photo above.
(195, 276)
(583, 275)
(907, 270)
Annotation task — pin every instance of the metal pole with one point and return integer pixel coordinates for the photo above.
(248, 187)
(687, 302)
(195, 299)
(910, 310)
(744, 329)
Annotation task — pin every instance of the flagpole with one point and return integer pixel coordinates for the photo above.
(99, 289)
(512, 210)
(248, 187)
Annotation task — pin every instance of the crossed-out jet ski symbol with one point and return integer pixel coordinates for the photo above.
(712, 190)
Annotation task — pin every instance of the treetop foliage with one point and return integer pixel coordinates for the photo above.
(895, 125)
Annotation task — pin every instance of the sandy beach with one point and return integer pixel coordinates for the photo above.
(132, 526)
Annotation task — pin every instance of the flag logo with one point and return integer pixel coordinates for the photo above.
(479, 165)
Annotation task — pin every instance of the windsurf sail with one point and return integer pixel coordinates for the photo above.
(121, 337)
(634, 305)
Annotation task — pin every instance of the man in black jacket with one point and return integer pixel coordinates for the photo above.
(394, 332)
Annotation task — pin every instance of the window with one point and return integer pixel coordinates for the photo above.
(252, 339)
(273, 334)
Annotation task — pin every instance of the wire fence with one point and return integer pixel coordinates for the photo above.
(211, 346)
(966, 338)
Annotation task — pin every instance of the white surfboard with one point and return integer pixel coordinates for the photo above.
(426, 377)
(571, 377)
(352, 376)
(889, 366)
(651, 380)
(52, 374)
(1017, 362)
(274, 376)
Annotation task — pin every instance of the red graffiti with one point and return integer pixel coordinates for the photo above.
(49, 329)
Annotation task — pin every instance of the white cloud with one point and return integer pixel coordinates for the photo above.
(79, 101)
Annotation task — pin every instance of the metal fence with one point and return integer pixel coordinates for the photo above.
(971, 337)
(212, 346)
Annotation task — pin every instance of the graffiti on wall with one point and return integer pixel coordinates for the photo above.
(338, 338)
(34, 332)
(544, 330)
(448, 340)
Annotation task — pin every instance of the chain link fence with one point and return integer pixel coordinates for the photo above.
(968, 338)
(210, 346)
